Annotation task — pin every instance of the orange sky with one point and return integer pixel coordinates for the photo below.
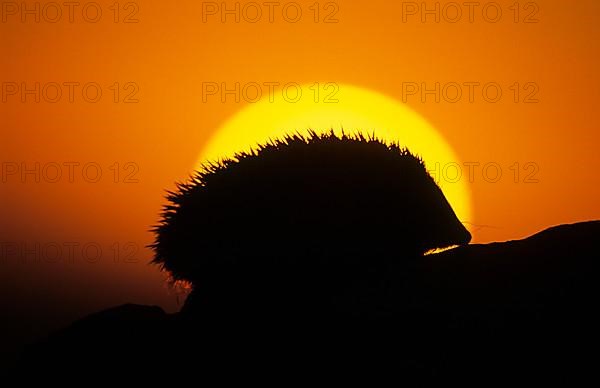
(170, 52)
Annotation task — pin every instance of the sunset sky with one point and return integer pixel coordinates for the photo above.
(74, 243)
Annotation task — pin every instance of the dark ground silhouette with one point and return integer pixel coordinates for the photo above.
(306, 258)
(482, 313)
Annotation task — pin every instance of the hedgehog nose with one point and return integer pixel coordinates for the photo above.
(464, 237)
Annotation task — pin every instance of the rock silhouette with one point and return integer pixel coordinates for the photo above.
(483, 312)
(299, 278)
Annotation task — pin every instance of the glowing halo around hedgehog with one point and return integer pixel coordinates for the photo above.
(356, 109)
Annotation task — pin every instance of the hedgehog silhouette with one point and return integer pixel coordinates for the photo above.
(302, 215)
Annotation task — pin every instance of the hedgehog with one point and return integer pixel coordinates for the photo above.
(301, 216)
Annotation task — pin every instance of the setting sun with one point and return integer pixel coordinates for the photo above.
(348, 108)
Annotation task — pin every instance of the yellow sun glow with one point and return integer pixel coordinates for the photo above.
(356, 109)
